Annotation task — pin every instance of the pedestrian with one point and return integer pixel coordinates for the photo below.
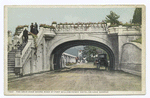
(76, 59)
(34, 31)
(36, 27)
(98, 63)
(25, 35)
(31, 28)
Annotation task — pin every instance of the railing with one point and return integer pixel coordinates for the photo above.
(26, 52)
(82, 29)
(18, 38)
(122, 29)
(39, 36)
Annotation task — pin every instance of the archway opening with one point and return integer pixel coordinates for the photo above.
(57, 52)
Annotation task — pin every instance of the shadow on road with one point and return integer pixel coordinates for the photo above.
(81, 69)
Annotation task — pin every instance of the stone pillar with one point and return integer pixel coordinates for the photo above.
(44, 51)
(51, 62)
(120, 43)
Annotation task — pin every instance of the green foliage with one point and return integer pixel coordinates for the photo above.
(139, 40)
(47, 26)
(60, 23)
(70, 63)
(127, 25)
(137, 16)
(54, 22)
(91, 51)
(112, 18)
(19, 27)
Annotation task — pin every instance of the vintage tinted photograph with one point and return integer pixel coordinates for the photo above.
(74, 50)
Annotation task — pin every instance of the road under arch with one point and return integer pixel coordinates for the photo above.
(57, 52)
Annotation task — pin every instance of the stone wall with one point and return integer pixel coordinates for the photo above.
(67, 58)
(131, 58)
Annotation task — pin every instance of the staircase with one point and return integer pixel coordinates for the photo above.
(11, 63)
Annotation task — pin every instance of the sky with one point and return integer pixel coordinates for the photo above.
(74, 50)
(22, 16)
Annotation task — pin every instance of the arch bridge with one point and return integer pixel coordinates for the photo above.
(51, 43)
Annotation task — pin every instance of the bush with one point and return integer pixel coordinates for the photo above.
(19, 27)
(54, 22)
(127, 25)
(70, 63)
(139, 40)
(47, 26)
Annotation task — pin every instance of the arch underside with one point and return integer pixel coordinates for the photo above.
(64, 46)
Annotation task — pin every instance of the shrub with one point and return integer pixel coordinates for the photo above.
(139, 40)
(47, 26)
(18, 28)
(54, 22)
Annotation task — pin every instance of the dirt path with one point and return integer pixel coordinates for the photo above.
(82, 77)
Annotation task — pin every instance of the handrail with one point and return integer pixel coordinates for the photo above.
(26, 52)
(19, 38)
(21, 34)
(39, 36)
(27, 49)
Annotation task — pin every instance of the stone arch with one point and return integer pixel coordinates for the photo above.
(57, 52)
(103, 40)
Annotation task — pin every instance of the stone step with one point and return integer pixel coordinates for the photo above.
(11, 61)
(11, 52)
(11, 65)
(11, 55)
(11, 75)
(10, 72)
(11, 58)
(11, 69)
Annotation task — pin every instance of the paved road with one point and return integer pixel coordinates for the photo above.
(83, 77)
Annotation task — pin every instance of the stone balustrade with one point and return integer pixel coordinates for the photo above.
(18, 38)
(123, 30)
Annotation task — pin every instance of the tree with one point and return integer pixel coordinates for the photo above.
(137, 16)
(91, 51)
(112, 18)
